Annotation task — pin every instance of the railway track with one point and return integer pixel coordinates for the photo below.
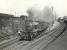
(38, 44)
(6, 43)
(45, 40)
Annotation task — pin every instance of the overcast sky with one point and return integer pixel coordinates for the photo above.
(19, 7)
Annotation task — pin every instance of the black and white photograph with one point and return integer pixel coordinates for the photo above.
(33, 25)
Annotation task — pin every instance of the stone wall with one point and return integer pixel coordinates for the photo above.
(10, 25)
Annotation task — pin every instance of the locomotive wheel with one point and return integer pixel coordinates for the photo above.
(33, 36)
(22, 38)
(29, 38)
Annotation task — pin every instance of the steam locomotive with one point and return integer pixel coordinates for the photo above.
(33, 29)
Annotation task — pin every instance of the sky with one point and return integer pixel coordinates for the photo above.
(19, 7)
